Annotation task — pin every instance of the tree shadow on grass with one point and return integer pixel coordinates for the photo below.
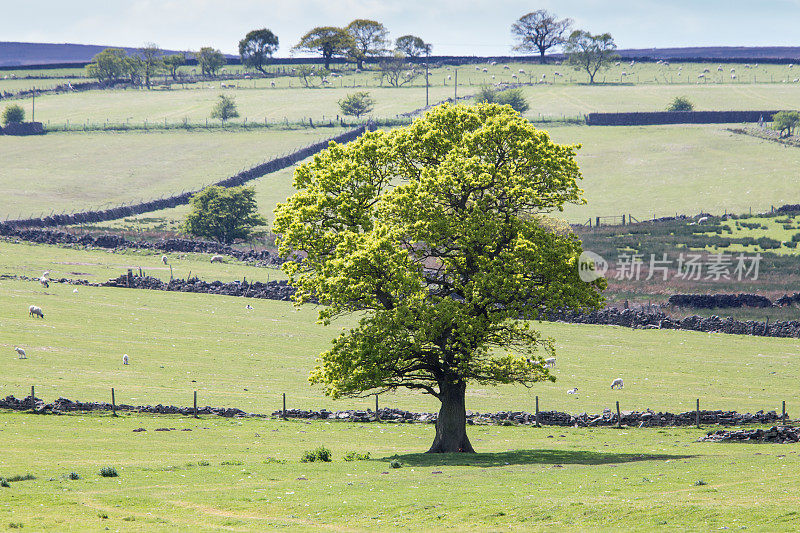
(528, 457)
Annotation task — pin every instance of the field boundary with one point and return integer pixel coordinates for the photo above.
(648, 418)
(114, 213)
(652, 118)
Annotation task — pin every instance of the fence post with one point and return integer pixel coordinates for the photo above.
(597, 222)
(619, 416)
(33, 397)
(623, 220)
(195, 404)
(697, 414)
(113, 403)
(377, 414)
(783, 412)
(537, 411)
(283, 413)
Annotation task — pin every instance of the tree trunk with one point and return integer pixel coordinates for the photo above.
(451, 426)
(327, 59)
(541, 56)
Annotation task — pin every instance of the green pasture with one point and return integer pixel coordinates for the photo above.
(16, 85)
(245, 475)
(80, 171)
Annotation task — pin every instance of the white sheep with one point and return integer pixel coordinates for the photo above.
(550, 362)
(21, 353)
(46, 273)
(272, 84)
(125, 359)
(733, 76)
(75, 291)
(701, 76)
(449, 77)
(573, 391)
(35, 311)
(733, 70)
(506, 67)
(164, 259)
(617, 384)
(719, 68)
(44, 281)
(702, 219)
(217, 259)
(248, 306)
(485, 69)
(706, 70)
(522, 71)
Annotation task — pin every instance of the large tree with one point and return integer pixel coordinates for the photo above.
(172, 63)
(109, 65)
(223, 214)
(327, 41)
(397, 70)
(370, 39)
(539, 31)
(589, 52)
(151, 61)
(434, 236)
(412, 46)
(210, 60)
(785, 121)
(257, 47)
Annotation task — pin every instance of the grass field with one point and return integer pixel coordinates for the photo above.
(244, 475)
(79, 171)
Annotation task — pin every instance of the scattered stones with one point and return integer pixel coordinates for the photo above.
(775, 434)
(272, 290)
(139, 430)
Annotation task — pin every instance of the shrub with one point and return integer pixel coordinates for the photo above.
(73, 476)
(768, 244)
(680, 103)
(356, 104)
(26, 477)
(790, 244)
(796, 237)
(102, 516)
(700, 483)
(108, 471)
(355, 456)
(15, 525)
(203, 463)
(321, 454)
(395, 463)
(225, 109)
(514, 98)
(13, 114)
(233, 462)
(485, 95)
(4, 483)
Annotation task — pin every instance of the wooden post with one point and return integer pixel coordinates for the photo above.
(537, 411)
(283, 413)
(195, 404)
(33, 396)
(697, 414)
(619, 416)
(377, 414)
(597, 222)
(623, 220)
(113, 403)
(783, 412)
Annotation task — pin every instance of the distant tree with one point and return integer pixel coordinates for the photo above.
(356, 104)
(539, 31)
(397, 71)
(512, 97)
(210, 60)
(328, 41)
(589, 52)
(13, 114)
(680, 103)
(225, 109)
(785, 121)
(134, 68)
(257, 47)
(412, 46)
(311, 76)
(224, 214)
(108, 66)
(370, 39)
(172, 63)
(152, 61)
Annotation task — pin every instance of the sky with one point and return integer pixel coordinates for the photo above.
(454, 27)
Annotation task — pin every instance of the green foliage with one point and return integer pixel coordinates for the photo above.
(320, 455)
(24, 477)
(15, 525)
(151, 61)
(73, 476)
(589, 52)
(356, 456)
(396, 70)
(439, 267)
(108, 471)
(111, 65)
(308, 73)
(512, 97)
(224, 214)
(225, 108)
(369, 39)
(412, 46)
(680, 103)
(328, 41)
(13, 114)
(172, 63)
(356, 104)
(395, 463)
(4, 483)
(786, 121)
(257, 47)
(210, 60)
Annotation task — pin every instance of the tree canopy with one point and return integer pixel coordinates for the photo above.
(539, 31)
(210, 60)
(151, 60)
(12, 114)
(680, 103)
(433, 235)
(327, 41)
(412, 46)
(786, 121)
(257, 47)
(370, 39)
(356, 104)
(110, 65)
(224, 214)
(589, 52)
(172, 63)
(225, 108)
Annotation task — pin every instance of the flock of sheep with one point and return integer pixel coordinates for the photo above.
(550, 362)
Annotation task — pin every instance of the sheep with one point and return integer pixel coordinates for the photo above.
(449, 77)
(164, 259)
(617, 384)
(492, 77)
(796, 80)
(506, 67)
(624, 73)
(21, 352)
(485, 69)
(701, 76)
(46, 273)
(217, 259)
(632, 62)
(705, 70)
(124, 359)
(719, 68)
(573, 391)
(493, 63)
(550, 362)
(522, 71)
(248, 306)
(44, 281)
(514, 76)
(733, 76)
(702, 219)
(35, 311)
(74, 291)
(733, 70)
(616, 63)
(478, 68)
(272, 84)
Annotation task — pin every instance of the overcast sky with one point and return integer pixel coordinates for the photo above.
(455, 27)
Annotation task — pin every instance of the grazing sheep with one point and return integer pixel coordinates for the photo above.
(550, 362)
(449, 77)
(35, 311)
(733, 76)
(706, 70)
(617, 63)
(701, 76)
(522, 71)
(21, 353)
(248, 306)
(719, 68)
(573, 391)
(164, 259)
(506, 67)
(272, 84)
(125, 359)
(486, 69)
(493, 63)
(492, 77)
(44, 281)
(796, 80)
(733, 70)
(46, 273)
(617, 384)
(217, 259)
(74, 291)
(702, 219)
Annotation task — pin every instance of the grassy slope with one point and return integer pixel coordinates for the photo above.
(220, 476)
(81, 171)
